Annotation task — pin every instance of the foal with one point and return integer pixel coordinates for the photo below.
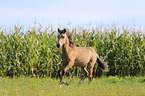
(84, 57)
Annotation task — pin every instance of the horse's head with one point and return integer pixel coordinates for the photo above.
(61, 37)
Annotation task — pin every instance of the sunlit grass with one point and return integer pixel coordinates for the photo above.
(111, 86)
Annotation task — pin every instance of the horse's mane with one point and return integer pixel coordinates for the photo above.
(70, 37)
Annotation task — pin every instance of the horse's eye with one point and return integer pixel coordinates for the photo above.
(62, 36)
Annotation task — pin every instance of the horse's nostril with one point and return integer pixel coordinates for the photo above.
(58, 45)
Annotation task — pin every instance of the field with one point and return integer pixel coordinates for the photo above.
(111, 86)
(29, 61)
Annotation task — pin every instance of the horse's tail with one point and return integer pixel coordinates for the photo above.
(103, 65)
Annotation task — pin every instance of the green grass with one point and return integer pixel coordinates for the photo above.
(111, 86)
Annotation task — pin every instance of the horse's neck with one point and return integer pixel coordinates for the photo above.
(65, 47)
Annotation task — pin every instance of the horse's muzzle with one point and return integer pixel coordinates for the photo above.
(58, 45)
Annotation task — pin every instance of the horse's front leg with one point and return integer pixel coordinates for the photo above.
(64, 69)
(61, 74)
(61, 78)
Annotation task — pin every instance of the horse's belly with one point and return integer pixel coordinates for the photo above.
(81, 62)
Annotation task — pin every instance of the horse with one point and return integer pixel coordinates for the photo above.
(84, 57)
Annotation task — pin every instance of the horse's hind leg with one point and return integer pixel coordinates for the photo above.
(90, 67)
(86, 73)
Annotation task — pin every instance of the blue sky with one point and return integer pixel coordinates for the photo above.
(72, 13)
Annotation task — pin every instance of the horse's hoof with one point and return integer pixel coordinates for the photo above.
(80, 82)
(60, 86)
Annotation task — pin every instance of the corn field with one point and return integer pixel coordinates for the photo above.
(34, 52)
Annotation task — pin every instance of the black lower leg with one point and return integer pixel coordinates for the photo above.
(59, 73)
(86, 73)
(83, 77)
(61, 78)
(90, 79)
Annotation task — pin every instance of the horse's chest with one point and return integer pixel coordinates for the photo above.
(65, 58)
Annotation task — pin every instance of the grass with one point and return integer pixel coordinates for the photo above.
(111, 86)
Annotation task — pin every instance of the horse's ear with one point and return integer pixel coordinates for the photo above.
(58, 30)
(64, 30)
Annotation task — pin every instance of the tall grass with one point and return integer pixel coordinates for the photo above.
(34, 53)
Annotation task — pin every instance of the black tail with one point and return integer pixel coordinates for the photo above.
(103, 66)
